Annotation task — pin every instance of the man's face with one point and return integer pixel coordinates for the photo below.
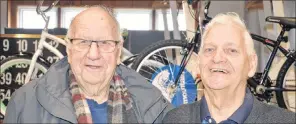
(223, 60)
(92, 65)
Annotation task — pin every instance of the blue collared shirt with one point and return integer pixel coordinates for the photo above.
(239, 116)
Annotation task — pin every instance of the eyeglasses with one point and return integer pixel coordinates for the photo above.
(105, 46)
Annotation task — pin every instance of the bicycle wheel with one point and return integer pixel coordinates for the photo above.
(13, 73)
(2, 110)
(286, 79)
(159, 63)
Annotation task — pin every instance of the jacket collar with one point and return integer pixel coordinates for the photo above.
(239, 115)
(258, 109)
(144, 94)
(53, 94)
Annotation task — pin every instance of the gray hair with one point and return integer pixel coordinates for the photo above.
(231, 18)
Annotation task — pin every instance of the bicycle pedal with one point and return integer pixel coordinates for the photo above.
(285, 39)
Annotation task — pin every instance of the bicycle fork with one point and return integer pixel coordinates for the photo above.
(260, 89)
(183, 64)
(34, 59)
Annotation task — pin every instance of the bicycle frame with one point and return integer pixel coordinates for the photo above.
(194, 43)
(276, 46)
(43, 44)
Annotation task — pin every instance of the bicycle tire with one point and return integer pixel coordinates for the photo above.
(12, 62)
(148, 54)
(280, 96)
(154, 46)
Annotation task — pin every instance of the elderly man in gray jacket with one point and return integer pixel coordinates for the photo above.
(227, 58)
(90, 85)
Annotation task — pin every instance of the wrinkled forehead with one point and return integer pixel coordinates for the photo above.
(224, 34)
(94, 26)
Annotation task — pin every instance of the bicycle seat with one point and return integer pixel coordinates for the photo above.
(290, 22)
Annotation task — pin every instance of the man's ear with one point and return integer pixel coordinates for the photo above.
(198, 63)
(68, 48)
(68, 51)
(120, 45)
(253, 61)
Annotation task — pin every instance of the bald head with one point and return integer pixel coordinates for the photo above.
(94, 21)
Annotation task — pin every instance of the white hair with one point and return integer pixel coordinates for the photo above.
(231, 18)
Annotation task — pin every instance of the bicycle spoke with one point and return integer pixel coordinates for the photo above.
(148, 79)
(291, 100)
(150, 67)
(158, 58)
(146, 71)
(174, 66)
(170, 67)
(34, 73)
(161, 57)
(290, 83)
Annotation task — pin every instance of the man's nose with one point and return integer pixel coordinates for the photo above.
(219, 56)
(94, 51)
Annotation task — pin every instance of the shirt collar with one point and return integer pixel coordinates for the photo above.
(204, 110)
(239, 116)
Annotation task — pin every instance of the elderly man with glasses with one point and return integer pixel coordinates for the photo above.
(90, 85)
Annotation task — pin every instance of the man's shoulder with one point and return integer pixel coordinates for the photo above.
(263, 112)
(278, 115)
(136, 82)
(137, 85)
(29, 88)
(185, 109)
(148, 99)
(24, 94)
(183, 114)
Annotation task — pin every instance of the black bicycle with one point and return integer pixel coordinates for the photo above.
(164, 64)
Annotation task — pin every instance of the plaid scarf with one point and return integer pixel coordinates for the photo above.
(119, 101)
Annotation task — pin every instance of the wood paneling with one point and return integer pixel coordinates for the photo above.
(142, 4)
(254, 4)
(123, 4)
(8, 14)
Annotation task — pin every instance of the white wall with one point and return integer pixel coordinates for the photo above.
(289, 10)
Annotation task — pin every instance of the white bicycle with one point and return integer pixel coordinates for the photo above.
(34, 65)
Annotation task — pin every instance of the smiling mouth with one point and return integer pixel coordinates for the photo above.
(93, 66)
(214, 70)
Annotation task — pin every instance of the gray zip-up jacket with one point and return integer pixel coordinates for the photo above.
(48, 99)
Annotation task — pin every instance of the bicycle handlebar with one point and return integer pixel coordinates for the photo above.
(42, 12)
(206, 11)
(38, 9)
